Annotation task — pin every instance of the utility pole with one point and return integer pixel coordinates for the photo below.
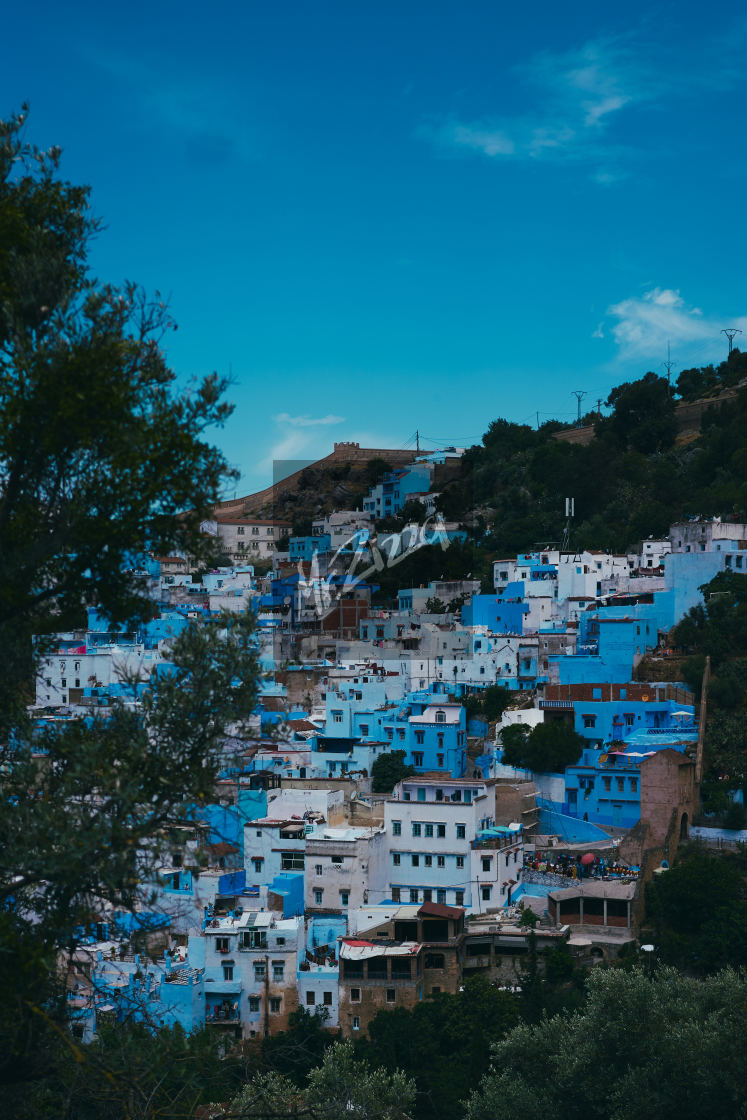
(599, 407)
(417, 441)
(668, 364)
(730, 332)
(579, 394)
(538, 421)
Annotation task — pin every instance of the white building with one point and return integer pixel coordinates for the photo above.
(251, 962)
(345, 868)
(247, 538)
(444, 846)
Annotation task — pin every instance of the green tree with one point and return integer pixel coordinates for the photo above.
(102, 459)
(376, 468)
(341, 1088)
(443, 1043)
(388, 769)
(643, 414)
(548, 747)
(663, 1046)
(698, 912)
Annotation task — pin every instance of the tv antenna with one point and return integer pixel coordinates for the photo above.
(579, 394)
(730, 332)
(570, 513)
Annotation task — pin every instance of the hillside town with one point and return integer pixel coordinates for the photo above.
(373, 563)
(371, 841)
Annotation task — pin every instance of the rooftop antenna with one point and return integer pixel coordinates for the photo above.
(668, 364)
(570, 513)
(579, 394)
(730, 332)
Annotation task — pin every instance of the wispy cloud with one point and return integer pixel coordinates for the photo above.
(573, 96)
(308, 421)
(643, 325)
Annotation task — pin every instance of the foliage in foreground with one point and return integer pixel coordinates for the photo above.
(659, 1046)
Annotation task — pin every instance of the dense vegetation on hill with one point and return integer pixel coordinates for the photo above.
(637, 475)
(718, 630)
(631, 481)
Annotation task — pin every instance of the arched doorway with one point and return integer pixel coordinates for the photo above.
(684, 827)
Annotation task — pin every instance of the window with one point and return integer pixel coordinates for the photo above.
(396, 828)
(415, 859)
(318, 896)
(413, 896)
(620, 785)
(607, 783)
(419, 737)
(337, 859)
(460, 862)
(257, 861)
(439, 760)
(292, 861)
(461, 830)
(228, 972)
(440, 716)
(590, 721)
(396, 859)
(395, 894)
(356, 1023)
(337, 717)
(275, 1004)
(310, 999)
(633, 785)
(400, 732)
(417, 758)
(427, 895)
(460, 898)
(487, 863)
(318, 868)
(344, 898)
(221, 944)
(441, 831)
(240, 531)
(629, 719)
(355, 995)
(441, 896)
(254, 1004)
(416, 828)
(429, 830)
(260, 970)
(429, 861)
(435, 960)
(391, 995)
(327, 999)
(486, 893)
(441, 860)
(364, 729)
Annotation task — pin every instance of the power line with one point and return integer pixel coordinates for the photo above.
(579, 394)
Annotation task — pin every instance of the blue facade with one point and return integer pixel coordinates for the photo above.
(496, 613)
(303, 548)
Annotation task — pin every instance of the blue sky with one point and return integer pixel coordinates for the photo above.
(397, 215)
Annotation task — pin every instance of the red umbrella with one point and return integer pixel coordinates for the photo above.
(587, 859)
